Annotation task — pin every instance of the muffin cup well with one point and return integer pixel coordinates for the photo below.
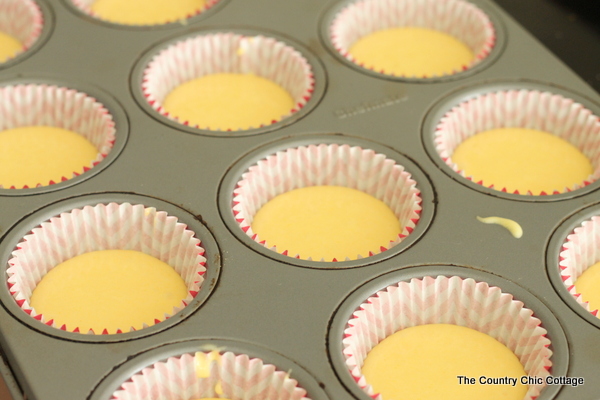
(447, 300)
(459, 19)
(580, 250)
(333, 165)
(529, 109)
(238, 376)
(23, 20)
(60, 107)
(104, 227)
(227, 52)
(86, 7)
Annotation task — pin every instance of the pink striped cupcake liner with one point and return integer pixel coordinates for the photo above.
(47, 105)
(580, 250)
(330, 165)
(457, 18)
(447, 300)
(237, 376)
(227, 52)
(104, 227)
(530, 109)
(23, 20)
(86, 7)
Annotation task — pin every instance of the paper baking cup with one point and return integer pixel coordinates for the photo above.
(45, 105)
(447, 300)
(328, 165)
(86, 7)
(239, 376)
(459, 19)
(530, 109)
(21, 19)
(580, 250)
(104, 227)
(214, 53)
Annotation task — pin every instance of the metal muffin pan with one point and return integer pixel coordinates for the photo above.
(110, 104)
(47, 16)
(317, 71)
(200, 231)
(264, 302)
(161, 353)
(558, 346)
(234, 174)
(553, 257)
(491, 13)
(467, 93)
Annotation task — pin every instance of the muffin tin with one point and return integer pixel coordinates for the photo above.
(288, 312)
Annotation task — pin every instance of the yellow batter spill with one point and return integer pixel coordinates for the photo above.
(39, 154)
(411, 51)
(146, 12)
(522, 159)
(588, 284)
(326, 222)
(9, 47)
(202, 363)
(402, 366)
(109, 289)
(229, 101)
(512, 226)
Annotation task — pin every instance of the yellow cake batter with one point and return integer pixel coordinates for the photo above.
(229, 101)
(38, 154)
(146, 12)
(109, 289)
(588, 284)
(9, 46)
(522, 159)
(512, 226)
(411, 51)
(326, 222)
(423, 362)
(202, 363)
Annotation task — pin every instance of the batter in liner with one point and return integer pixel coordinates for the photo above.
(146, 12)
(229, 101)
(423, 362)
(109, 289)
(9, 47)
(326, 222)
(411, 51)
(523, 160)
(35, 155)
(588, 284)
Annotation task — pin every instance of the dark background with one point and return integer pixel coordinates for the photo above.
(569, 28)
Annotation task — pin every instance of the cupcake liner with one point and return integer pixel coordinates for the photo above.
(21, 19)
(333, 165)
(104, 227)
(580, 250)
(45, 105)
(86, 7)
(530, 109)
(447, 300)
(459, 19)
(239, 376)
(227, 53)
